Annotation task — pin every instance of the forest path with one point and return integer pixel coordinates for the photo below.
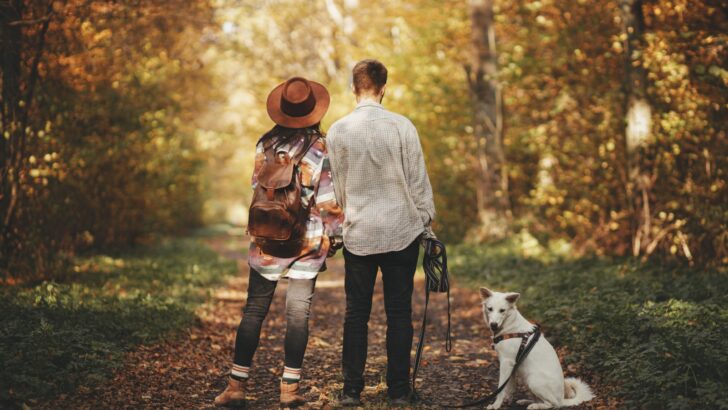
(187, 372)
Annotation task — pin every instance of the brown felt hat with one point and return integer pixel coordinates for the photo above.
(298, 103)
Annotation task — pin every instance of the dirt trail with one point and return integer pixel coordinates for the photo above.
(189, 371)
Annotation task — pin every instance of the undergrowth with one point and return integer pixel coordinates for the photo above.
(655, 333)
(55, 337)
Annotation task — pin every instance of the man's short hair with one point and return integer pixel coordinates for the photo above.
(369, 76)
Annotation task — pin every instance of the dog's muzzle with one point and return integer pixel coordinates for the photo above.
(494, 326)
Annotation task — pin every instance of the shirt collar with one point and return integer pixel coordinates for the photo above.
(368, 103)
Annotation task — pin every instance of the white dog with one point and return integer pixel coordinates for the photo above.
(540, 370)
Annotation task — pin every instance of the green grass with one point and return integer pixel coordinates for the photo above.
(55, 336)
(658, 334)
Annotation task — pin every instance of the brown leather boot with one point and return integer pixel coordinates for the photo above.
(234, 394)
(290, 396)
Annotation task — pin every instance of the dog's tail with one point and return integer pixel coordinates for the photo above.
(576, 392)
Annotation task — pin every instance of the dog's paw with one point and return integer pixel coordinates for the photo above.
(538, 406)
(524, 402)
(493, 406)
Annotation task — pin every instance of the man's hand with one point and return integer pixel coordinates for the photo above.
(427, 234)
(335, 243)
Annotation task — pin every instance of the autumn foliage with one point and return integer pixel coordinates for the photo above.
(122, 120)
(105, 156)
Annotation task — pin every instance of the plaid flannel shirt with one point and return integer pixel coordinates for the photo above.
(325, 218)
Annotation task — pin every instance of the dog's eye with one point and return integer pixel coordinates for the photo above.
(490, 309)
(502, 310)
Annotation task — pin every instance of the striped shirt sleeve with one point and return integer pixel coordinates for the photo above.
(330, 211)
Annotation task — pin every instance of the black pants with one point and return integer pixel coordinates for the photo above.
(398, 269)
(298, 306)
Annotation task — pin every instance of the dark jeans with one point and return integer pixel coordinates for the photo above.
(298, 306)
(398, 270)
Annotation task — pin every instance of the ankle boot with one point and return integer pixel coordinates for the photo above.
(290, 396)
(234, 394)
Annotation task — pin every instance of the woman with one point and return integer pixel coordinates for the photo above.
(296, 106)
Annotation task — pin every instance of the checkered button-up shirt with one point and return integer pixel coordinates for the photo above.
(380, 180)
(325, 216)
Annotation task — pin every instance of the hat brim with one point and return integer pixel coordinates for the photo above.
(273, 106)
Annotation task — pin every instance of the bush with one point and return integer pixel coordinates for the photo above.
(656, 332)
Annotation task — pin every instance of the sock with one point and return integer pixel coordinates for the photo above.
(239, 372)
(291, 375)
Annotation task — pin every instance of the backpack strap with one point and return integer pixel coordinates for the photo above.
(280, 169)
(301, 155)
(270, 152)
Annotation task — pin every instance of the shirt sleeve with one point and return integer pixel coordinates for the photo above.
(416, 175)
(329, 209)
(259, 160)
(336, 174)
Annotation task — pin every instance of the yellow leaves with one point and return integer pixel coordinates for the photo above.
(555, 200)
(86, 28)
(543, 21)
(518, 52)
(533, 5)
(102, 36)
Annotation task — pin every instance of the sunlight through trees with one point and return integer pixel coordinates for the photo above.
(600, 123)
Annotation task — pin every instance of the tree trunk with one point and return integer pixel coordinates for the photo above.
(11, 131)
(15, 114)
(638, 122)
(492, 185)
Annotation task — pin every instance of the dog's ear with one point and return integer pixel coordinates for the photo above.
(485, 293)
(512, 297)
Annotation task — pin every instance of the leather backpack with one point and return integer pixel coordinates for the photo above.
(277, 218)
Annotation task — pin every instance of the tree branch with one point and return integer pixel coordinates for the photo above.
(30, 22)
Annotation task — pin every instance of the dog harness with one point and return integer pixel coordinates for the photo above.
(523, 335)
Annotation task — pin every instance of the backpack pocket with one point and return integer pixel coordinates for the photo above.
(270, 220)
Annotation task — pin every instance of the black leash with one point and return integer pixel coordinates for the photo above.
(434, 264)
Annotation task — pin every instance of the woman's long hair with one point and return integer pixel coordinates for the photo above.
(280, 136)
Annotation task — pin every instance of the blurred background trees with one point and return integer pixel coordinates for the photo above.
(600, 124)
(100, 153)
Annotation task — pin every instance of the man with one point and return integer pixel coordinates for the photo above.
(381, 182)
